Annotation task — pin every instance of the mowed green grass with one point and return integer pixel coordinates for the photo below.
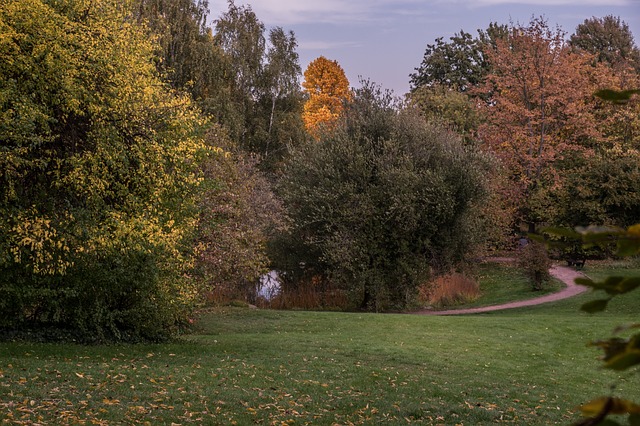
(526, 366)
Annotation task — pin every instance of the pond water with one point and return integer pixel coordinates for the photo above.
(269, 286)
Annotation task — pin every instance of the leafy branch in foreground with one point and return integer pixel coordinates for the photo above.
(615, 96)
(619, 353)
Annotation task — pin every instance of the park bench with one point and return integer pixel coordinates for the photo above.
(576, 262)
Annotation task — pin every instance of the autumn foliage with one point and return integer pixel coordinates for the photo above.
(327, 87)
(539, 108)
(541, 115)
(119, 207)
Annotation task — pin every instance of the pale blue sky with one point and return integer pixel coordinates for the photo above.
(384, 40)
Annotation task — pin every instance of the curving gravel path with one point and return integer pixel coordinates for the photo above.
(565, 274)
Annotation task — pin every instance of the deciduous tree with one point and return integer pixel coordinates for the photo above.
(282, 98)
(98, 174)
(189, 58)
(327, 88)
(180, 26)
(540, 108)
(378, 203)
(459, 64)
(609, 39)
(263, 83)
(451, 108)
(240, 34)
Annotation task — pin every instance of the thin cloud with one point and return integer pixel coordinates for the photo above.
(548, 2)
(292, 12)
(327, 45)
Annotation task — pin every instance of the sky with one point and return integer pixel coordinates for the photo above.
(385, 40)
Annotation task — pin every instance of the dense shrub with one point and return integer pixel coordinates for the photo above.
(99, 175)
(534, 261)
(377, 203)
(239, 214)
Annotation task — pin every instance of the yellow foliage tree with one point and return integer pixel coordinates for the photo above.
(100, 175)
(328, 87)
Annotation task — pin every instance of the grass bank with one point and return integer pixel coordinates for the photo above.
(503, 282)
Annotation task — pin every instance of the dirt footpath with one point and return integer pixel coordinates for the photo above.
(565, 274)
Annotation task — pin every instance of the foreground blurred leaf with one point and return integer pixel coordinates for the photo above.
(627, 359)
(616, 96)
(620, 354)
(595, 306)
(561, 232)
(613, 406)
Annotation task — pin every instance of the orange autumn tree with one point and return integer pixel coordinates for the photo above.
(539, 113)
(327, 87)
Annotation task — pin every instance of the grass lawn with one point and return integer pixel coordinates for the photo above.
(527, 366)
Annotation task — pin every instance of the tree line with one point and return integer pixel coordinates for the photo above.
(150, 160)
(527, 94)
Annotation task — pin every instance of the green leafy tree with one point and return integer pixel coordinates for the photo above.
(263, 83)
(609, 39)
(459, 64)
(240, 35)
(180, 26)
(98, 174)
(282, 100)
(600, 189)
(443, 89)
(189, 58)
(282, 69)
(450, 108)
(378, 203)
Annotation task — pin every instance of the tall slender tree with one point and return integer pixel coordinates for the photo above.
(282, 94)
(263, 82)
(240, 34)
(282, 69)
